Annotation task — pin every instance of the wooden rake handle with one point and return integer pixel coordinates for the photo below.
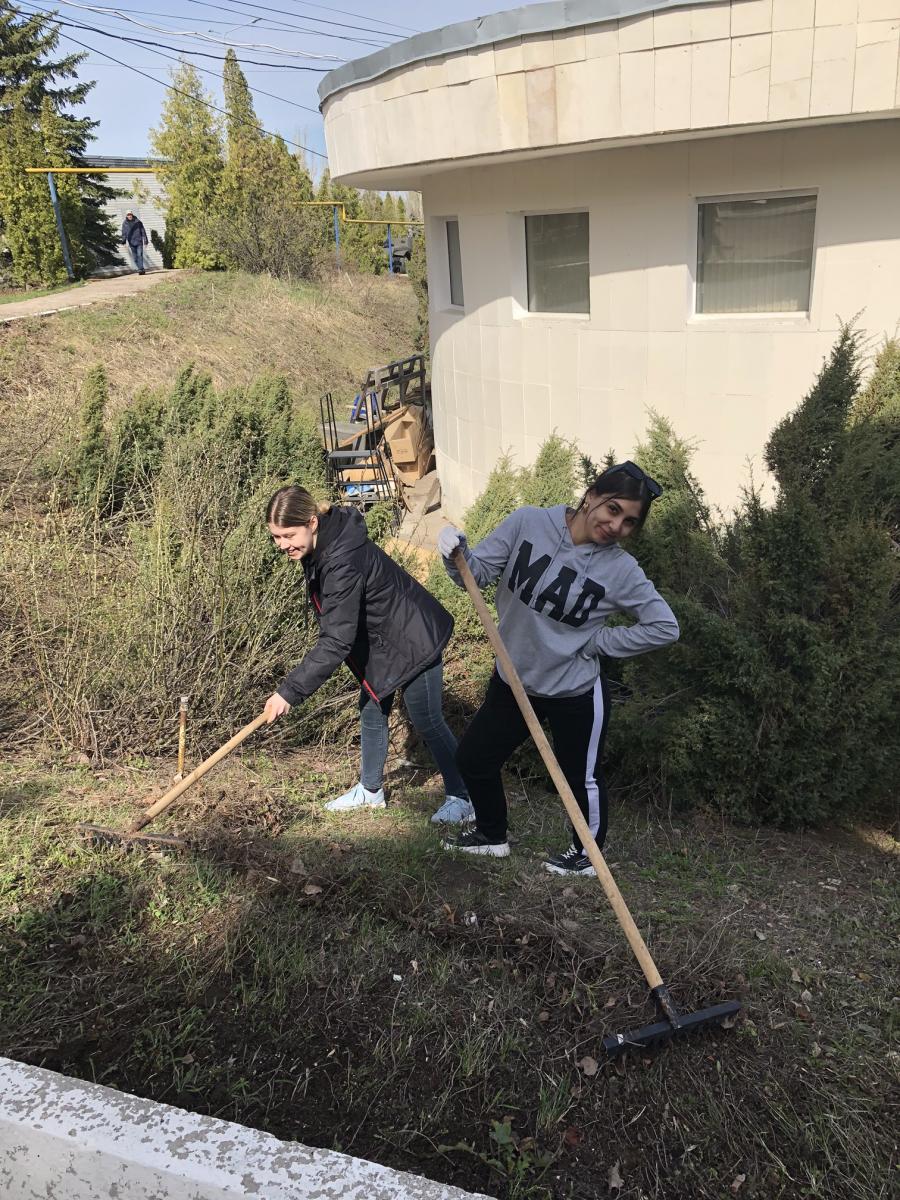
(591, 849)
(198, 772)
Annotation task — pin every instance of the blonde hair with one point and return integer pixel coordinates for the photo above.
(292, 506)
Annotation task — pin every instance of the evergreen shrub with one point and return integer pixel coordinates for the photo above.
(157, 573)
(779, 703)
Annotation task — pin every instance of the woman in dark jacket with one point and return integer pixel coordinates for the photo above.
(384, 625)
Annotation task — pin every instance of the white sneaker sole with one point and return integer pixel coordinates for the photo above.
(500, 850)
(355, 807)
(587, 873)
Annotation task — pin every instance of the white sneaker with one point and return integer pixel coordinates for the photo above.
(455, 810)
(357, 797)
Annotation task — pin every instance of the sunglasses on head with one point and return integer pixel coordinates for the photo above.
(635, 472)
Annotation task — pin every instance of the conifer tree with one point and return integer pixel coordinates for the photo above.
(262, 224)
(189, 141)
(26, 215)
(30, 72)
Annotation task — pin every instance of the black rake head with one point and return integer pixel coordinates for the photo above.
(99, 835)
(651, 1037)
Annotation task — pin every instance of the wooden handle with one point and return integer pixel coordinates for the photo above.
(198, 772)
(591, 849)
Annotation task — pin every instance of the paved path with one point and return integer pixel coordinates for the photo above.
(80, 297)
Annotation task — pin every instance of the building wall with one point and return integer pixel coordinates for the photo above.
(697, 67)
(150, 210)
(503, 379)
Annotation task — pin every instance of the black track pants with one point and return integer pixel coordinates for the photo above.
(577, 728)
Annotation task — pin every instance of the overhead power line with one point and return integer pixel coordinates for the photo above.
(205, 37)
(120, 37)
(181, 92)
(361, 16)
(122, 14)
(257, 91)
(289, 13)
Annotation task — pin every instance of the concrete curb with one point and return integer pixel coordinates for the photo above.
(65, 1138)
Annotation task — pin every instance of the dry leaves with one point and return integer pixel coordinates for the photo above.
(614, 1179)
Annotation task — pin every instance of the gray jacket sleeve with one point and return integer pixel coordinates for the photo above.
(490, 556)
(655, 622)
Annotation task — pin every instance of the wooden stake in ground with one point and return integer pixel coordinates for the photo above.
(100, 834)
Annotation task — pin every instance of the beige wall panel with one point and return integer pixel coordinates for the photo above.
(750, 16)
(600, 41)
(672, 88)
(793, 14)
(672, 27)
(710, 84)
(723, 380)
(711, 21)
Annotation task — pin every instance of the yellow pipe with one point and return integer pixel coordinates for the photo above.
(392, 221)
(91, 170)
(152, 170)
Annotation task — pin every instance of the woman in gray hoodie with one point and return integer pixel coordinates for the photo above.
(560, 575)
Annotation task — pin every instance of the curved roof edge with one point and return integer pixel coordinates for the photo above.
(483, 31)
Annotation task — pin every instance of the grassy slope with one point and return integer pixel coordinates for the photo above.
(321, 337)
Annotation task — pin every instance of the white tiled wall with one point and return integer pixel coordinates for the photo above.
(696, 67)
(503, 380)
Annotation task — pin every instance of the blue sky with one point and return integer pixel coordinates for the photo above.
(128, 106)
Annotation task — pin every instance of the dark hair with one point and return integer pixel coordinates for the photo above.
(292, 506)
(625, 481)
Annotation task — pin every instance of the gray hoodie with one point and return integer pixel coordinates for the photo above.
(554, 598)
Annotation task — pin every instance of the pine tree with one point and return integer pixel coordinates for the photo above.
(262, 224)
(30, 72)
(26, 215)
(189, 141)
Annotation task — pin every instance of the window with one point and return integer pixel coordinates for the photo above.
(755, 256)
(556, 254)
(454, 263)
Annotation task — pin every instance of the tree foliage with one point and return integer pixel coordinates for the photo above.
(779, 702)
(237, 197)
(188, 143)
(38, 90)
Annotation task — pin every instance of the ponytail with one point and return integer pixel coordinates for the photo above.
(292, 506)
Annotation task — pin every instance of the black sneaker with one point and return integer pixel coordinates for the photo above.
(472, 841)
(571, 862)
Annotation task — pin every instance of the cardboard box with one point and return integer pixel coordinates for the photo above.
(405, 434)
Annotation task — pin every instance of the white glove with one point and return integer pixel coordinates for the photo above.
(448, 539)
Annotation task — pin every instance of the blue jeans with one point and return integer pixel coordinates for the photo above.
(422, 697)
(137, 253)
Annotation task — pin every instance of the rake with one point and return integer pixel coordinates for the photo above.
(132, 836)
(672, 1021)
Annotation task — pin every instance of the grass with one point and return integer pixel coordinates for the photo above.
(236, 327)
(22, 294)
(345, 983)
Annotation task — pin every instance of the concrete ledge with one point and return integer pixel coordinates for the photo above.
(63, 1138)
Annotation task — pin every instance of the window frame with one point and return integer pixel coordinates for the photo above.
(521, 292)
(782, 315)
(449, 303)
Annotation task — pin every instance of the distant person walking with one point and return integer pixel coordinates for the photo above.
(134, 236)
